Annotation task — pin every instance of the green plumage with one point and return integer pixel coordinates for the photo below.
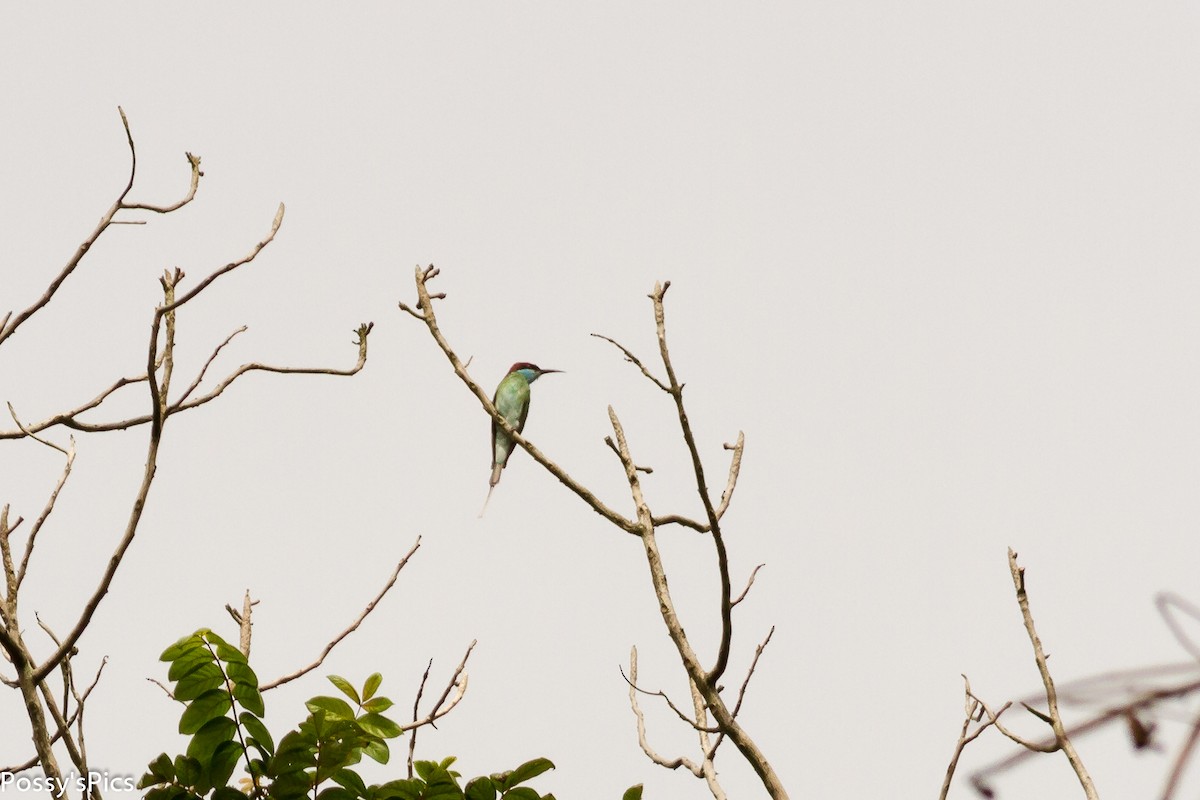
(512, 402)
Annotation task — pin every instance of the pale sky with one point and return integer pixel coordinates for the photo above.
(936, 260)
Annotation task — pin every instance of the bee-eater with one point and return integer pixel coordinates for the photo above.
(512, 401)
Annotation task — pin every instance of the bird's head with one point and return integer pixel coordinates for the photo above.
(531, 371)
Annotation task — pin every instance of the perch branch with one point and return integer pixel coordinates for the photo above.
(427, 315)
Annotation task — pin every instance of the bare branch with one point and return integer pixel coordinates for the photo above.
(676, 519)
(246, 259)
(1060, 733)
(49, 506)
(710, 771)
(631, 358)
(735, 468)
(245, 622)
(75, 715)
(204, 369)
(737, 707)
(1165, 603)
(714, 519)
(67, 418)
(1181, 760)
(412, 740)
(746, 591)
(10, 324)
(445, 704)
(974, 712)
(674, 763)
(660, 693)
(353, 626)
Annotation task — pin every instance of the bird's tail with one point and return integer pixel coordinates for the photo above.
(485, 500)
(496, 470)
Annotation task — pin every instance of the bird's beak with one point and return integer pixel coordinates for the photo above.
(543, 372)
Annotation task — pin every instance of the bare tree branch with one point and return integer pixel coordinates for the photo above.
(445, 703)
(660, 693)
(10, 323)
(651, 754)
(351, 629)
(975, 709)
(1181, 760)
(746, 591)
(691, 663)
(412, 740)
(1056, 724)
(631, 358)
(710, 770)
(737, 707)
(69, 452)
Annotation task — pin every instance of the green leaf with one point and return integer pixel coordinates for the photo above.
(481, 789)
(188, 662)
(228, 793)
(162, 769)
(398, 790)
(187, 770)
(379, 725)
(168, 793)
(377, 751)
(633, 793)
(521, 793)
(528, 770)
(184, 645)
(248, 698)
(230, 654)
(206, 740)
(371, 685)
(212, 637)
(334, 707)
(345, 687)
(377, 705)
(213, 703)
(336, 793)
(257, 730)
(241, 673)
(351, 780)
(195, 683)
(224, 761)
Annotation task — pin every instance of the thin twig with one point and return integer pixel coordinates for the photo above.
(631, 358)
(746, 591)
(69, 452)
(741, 696)
(351, 629)
(660, 693)
(412, 739)
(445, 704)
(1181, 760)
(974, 712)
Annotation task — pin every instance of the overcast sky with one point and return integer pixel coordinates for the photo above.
(936, 260)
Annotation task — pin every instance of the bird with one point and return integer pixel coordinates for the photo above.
(512, 401)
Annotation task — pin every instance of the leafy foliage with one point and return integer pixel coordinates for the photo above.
(223, 714)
